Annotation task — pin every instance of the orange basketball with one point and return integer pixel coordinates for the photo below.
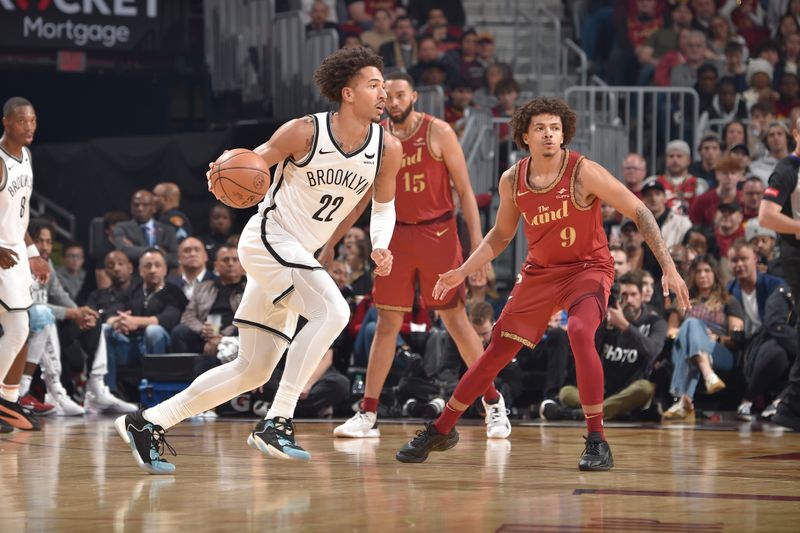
(240, 178)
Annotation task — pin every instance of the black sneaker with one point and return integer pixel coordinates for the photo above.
(275, 437)
(15, 415)
(147, 442)
(427, 440)
(550, 410)
(786, 417)
(597, 454)
(5, 428)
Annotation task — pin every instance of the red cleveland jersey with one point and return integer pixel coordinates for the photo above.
(559, 231)
(423, 182)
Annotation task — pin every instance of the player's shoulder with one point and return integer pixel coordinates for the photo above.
(440, 127)
(391, 143)
(510, 174)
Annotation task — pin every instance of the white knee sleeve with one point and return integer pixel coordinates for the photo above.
(15, 333)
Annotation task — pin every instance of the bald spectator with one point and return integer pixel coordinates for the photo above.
(192, 259)
(730, 173)
(168, 203)
(634, 170)
(135, 236)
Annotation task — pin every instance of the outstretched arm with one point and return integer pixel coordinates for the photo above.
(594, 180)
(505, 227)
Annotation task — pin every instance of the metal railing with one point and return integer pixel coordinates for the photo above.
(537, 47)
(289, 66)
(480, 147)
(63, 220)
(614, 120)
(430, 99)
(318, 45)
(572, 48)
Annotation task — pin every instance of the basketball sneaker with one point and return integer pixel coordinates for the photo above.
(65, 406)
(596, 455)
(785, 416)
(550, 410)
(427, 440)
(13, 414)
(360, 426)
(103, 402)
(275, 437)
(29, 401)
(498, 426)
(147, 442)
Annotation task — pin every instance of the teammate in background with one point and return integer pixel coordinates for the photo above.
(326, 165)
(432, 157)
(18, 256)
(557, 193)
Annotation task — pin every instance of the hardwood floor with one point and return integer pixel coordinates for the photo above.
(77, 475)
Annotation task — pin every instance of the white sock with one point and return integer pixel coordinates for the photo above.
(25, 384)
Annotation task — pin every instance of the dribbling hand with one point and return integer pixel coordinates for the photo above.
(383, 261)
(447, 281)
(8, 258)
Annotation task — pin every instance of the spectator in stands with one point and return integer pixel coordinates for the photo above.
(105, 245)
(351, 40)
(192, 259)
(220, 224)
(445, 36)
(752, 193)
(356, 257)
(153, 308)
(759, 81)
(482, 287)
(700, 240)
(734, 134)
(790, 59)
(695, 55)
(707, 336)
(631, 32)
(741, 153)
(735, 65)
(789, 91)
(632, 243)
(402, 51)
(381, 32)
(458, 104)
(71, 274)
(680, 256)
(426, 53)
(434, 72)
(722, 33)
(726, 105)
(631, 340)
(704, 11)
(167, 196)
(611, 224)
(486, 54)
(507, 92)
(662, 41)
(763, 241)
(681, 187)
(648, 286)
(319, 15)
(728, 226)
(710, 150)
(730, 174)
(634, 171)
(671, 59)
(672, 224)
(114, 298)
(217, 298)
(486, 96)
(135, 236)
(452, 10)
(706, 86)
(464, 63)
(762, 114)
(779, 143)
(621, 263)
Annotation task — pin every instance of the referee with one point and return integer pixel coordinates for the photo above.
(780, 211)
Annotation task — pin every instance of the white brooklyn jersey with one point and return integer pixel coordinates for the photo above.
(309, 198)
(16, 186)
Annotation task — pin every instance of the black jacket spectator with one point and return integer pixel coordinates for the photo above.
(166, 305)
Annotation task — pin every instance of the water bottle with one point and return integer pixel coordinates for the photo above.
(358, 385)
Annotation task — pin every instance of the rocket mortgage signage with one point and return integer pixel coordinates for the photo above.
(77, 24)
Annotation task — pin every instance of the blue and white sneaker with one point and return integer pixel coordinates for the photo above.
(275, 437)
(147, 442)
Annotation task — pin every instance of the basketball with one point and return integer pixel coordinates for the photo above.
(240, 179)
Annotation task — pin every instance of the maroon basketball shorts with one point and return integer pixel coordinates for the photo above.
(541, 291)
(420, 252)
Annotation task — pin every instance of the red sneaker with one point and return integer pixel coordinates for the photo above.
(39, 408)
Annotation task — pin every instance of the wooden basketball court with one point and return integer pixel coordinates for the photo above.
(77, 475)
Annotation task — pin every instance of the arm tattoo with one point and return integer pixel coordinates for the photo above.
(651, 233)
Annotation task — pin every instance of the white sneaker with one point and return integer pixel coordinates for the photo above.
(361, 426)
(744, 412)
(103, 402)
(498, 425)
(65, 406)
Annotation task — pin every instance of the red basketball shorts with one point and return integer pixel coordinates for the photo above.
(420, 252)
(541, 291)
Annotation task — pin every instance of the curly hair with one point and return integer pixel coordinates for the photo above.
(543, 105)
(336, 70)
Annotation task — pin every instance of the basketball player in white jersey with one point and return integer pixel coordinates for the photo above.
(326, 165)
(16, 248)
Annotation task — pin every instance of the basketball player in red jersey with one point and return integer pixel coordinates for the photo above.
(425, 243)
(557, 193)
